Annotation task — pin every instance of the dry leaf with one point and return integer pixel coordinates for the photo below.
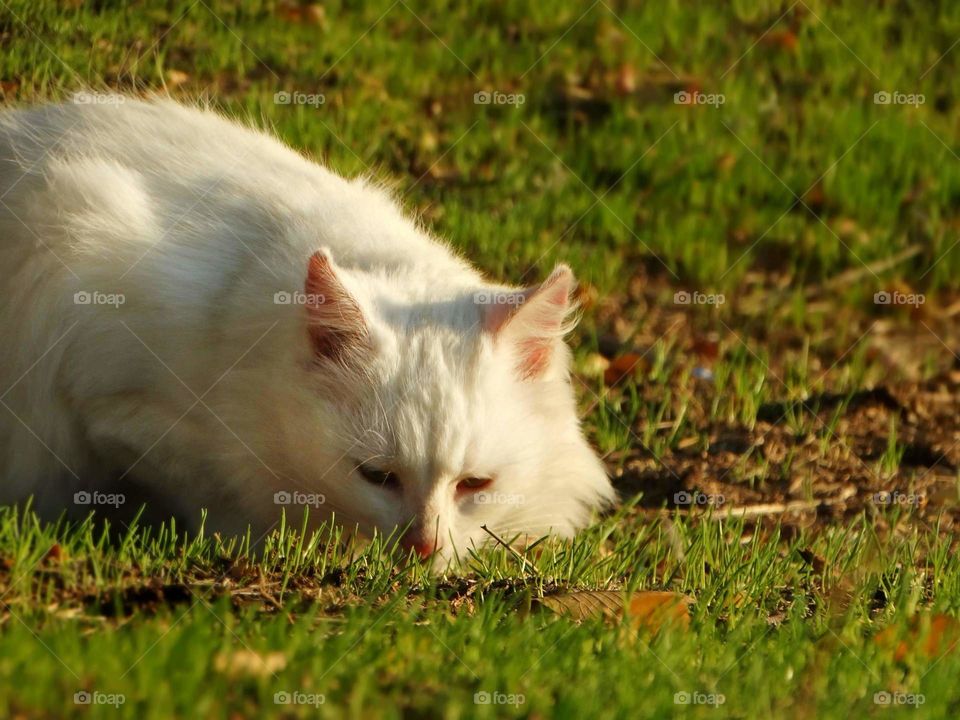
(653, 609)
(644, 610)
(176, 78)
(314, 14)
(290, 12)
(930, 635)
(594, 365)
(626, 80)
(586, 295)
(248, 663)
(54, 554)
(707, 346)
(625, 366)
(586, 604)
(784, 39)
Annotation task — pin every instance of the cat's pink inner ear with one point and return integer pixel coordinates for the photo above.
(501, 307)
(335, 321)
(532, 320)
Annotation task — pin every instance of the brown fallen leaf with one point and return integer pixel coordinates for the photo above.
(176, 78)
(586, 295)
(930, 635)
(249, 663)
(314, 14)
(626, 82)
(655, 608)
(289, 11)
(9, 88)
(707, 346)
(784, 39)
(649, 610)
(594, 365)
(54, 554)
(623, 367)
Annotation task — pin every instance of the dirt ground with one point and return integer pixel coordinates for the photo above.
(814, 455)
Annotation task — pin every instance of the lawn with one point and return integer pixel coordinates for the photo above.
(762, 204)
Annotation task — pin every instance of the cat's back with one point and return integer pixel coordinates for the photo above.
(166, 142)
(189, 176)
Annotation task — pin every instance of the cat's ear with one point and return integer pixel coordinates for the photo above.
(533, 321)
(335, 321)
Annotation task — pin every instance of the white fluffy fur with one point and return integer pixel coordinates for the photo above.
(199, 391)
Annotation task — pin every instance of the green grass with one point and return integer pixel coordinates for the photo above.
(696, 186)
(789, 199)
(377, 636)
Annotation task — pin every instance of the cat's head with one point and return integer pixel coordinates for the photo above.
(449, 414)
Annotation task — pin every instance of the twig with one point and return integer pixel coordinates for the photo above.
(755, 510)
(875, 268)
(768, 509)
(521, 558)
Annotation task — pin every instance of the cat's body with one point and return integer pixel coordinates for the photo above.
(195, 315)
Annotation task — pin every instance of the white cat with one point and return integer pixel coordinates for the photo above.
(195, 316)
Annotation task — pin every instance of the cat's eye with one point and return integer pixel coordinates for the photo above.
(473, 484)
(373, 475)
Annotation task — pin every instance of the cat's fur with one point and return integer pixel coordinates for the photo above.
(189, 382)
